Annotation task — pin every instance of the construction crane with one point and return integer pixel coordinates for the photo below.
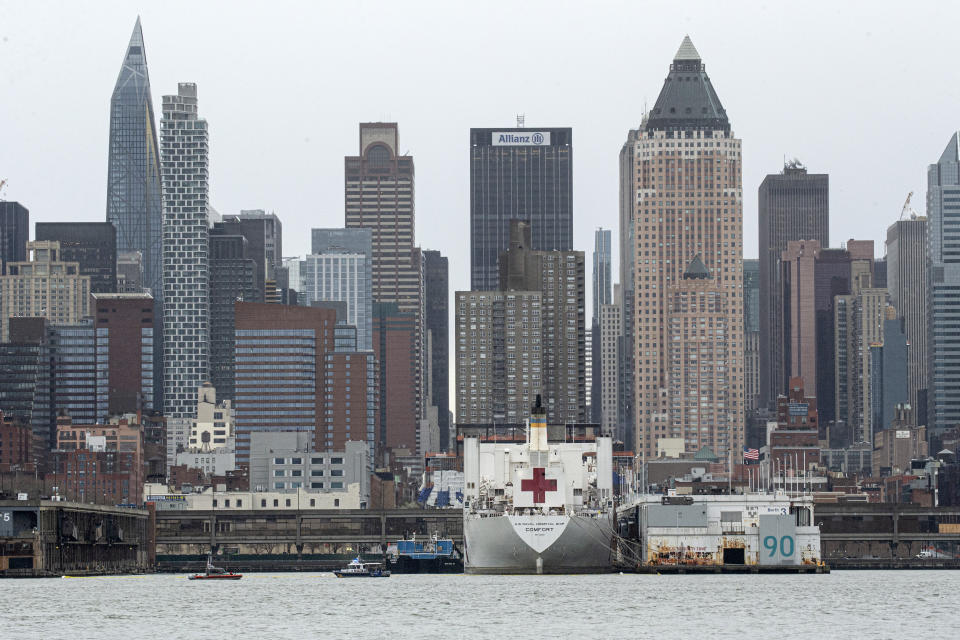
(906, 208)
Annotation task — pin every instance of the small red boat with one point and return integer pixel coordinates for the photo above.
(215, 576)
(215, 573)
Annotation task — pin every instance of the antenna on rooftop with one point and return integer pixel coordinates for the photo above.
(521, 120)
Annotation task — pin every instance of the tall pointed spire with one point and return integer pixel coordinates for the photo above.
(133, 172)
(687, 51)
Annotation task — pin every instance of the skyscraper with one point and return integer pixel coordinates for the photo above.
(519, 173)
(14, 233)
(125, 337)
(133, 174)
(379, 195)
(280, 371)
(92, 245)
(264, 232)
(610, 332)
(437, 304)
(339, 269)
(794, 205)
(751, 335)
(525, 338)
(907, 284)
(602, 294)
(943, 244)
(186, 308)
(688, 310)
(233, 277)
(46, 286)
(602, 285)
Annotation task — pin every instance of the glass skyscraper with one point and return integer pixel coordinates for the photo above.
(943, 233)
(518, 173)
(133, 173)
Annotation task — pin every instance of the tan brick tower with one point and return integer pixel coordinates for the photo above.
(688, 268)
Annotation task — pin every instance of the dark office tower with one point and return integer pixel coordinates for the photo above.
(133, 175)
(14, 233)
(602, 294)
(751, 336)
(943, 302)
(888, 370)
(602, 285)
(835, 271)
(437, 320)
(518, 173)
(794, 205)
(880, 273)
(93, 245)
(78, 374)
(379, 195)
(269, 225)
(907, 284)
(25, 377)
(125, 337)
(232, 278)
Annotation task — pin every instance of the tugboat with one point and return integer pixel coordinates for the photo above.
(357, 569)
(436, 555)
(215, 573)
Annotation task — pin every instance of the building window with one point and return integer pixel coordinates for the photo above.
(336, 460)
(296, 461)
(313, 502)
(226, 503)
(263, 503)
(336, 472)
(214, 503)
(276, 503)
(336, 502)
(316, 485)
(288, 502)
(239, 502)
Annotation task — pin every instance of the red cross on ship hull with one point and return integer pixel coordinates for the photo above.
(539, 484)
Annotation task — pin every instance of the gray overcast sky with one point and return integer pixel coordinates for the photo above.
(865, 91)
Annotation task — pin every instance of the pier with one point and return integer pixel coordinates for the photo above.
(43, 538)
(291, 540)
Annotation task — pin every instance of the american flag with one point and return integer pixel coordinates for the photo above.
(751, 454)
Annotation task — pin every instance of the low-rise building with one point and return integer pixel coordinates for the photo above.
(212, 498)
(286, 461)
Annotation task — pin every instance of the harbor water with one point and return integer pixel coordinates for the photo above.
(844, 604)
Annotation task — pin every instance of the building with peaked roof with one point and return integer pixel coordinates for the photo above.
(687, 313)
(133, 171)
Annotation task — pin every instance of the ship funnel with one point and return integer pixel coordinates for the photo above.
(538, 427)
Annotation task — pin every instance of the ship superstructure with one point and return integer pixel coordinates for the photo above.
(538, 506)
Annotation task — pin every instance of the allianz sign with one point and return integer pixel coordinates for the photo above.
(520, 138)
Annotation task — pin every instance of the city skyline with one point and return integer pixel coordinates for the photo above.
(303, 188)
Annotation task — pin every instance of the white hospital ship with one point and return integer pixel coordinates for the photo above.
(537, 506)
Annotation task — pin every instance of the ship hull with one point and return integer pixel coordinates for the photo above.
(537, 544)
